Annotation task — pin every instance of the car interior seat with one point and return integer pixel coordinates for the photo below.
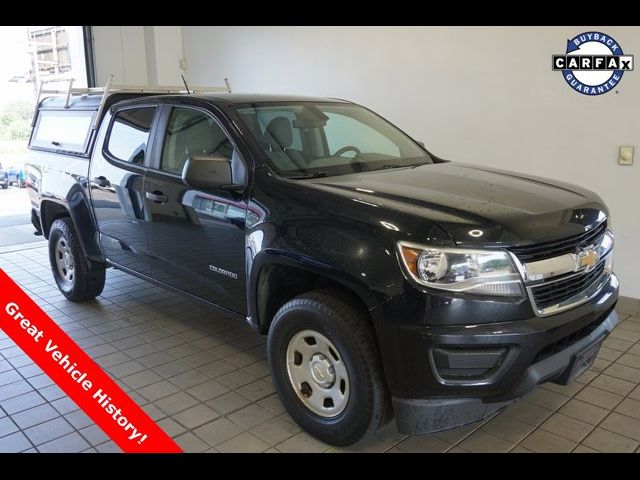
(279, 138)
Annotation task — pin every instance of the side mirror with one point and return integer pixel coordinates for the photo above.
(209, 172)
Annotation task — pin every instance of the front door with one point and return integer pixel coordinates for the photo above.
(117, 178)
(196, 237)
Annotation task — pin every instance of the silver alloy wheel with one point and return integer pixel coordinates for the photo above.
(317, 373)
(64, 262)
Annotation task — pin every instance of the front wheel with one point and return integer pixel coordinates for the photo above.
(76, 277)
(326, 367)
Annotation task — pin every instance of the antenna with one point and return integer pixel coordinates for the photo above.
(185, 84)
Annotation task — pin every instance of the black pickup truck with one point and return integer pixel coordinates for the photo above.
(390, 282)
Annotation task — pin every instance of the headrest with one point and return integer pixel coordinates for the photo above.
(279, 129)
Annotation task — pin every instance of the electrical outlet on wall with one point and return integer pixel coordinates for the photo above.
(625, 155)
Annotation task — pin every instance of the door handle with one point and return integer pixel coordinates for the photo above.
(102, 182)
(156, 196)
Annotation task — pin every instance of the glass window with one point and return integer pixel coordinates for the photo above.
(63, 130)
(343, 130)
(303, 138)
(130, 134)
(192, 133)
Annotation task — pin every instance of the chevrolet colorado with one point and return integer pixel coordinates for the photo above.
(390, 282)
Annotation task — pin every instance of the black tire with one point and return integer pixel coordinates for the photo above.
(337, 318)
(5, 186)
(88, 277)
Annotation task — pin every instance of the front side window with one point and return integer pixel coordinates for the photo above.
(303, 138)
(129, 135)
(192, 133)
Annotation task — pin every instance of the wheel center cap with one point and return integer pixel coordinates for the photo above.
(322, 370)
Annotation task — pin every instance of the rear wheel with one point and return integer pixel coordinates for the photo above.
(326, 367)
(76, 277)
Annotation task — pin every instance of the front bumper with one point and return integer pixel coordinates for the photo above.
(432, 415)
(537, 349)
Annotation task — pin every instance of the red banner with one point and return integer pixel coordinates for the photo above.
(78, 375)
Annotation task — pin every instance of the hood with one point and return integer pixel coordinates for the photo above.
(476, 205)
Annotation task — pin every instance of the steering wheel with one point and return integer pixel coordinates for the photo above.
(348, 148)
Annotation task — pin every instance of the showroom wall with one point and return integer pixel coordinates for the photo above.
(137, 55)
(120, 51)
(484, 95)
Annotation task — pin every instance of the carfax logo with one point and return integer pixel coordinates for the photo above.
(593, 63)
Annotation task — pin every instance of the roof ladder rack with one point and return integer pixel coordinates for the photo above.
(101, 107)
(66, 103)
(110, 89)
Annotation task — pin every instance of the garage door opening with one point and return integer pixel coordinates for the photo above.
(30, 55)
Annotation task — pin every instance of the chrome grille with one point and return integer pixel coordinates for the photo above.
(555, 292)
(542, 251)
(560, 278)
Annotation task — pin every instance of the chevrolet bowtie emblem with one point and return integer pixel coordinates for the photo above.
(586, 259)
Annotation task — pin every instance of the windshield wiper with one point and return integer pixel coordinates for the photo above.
(308, 175)
(392, 165)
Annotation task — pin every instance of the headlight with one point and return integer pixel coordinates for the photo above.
(608, 263)
(606, 249)
(488, 272)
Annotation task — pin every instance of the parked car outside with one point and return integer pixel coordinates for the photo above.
(4, 181)
(15, 175)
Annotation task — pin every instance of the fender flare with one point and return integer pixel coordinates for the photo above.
(79, 209)
(269, 257)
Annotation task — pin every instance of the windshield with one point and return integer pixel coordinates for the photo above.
(303, 139)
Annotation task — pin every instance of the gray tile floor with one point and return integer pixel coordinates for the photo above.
(206, 381)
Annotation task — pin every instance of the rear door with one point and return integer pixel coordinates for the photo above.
(117, 177)
(196, 237)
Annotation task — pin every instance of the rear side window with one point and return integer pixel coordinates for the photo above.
(63, 130)
(129, 135)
